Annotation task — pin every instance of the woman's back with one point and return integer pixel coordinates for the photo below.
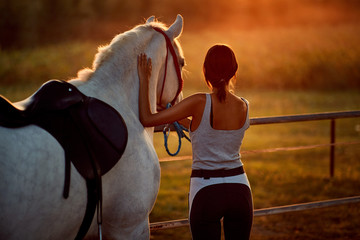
(228, 115)
(218, 147)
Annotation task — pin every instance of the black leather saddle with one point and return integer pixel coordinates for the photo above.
(92, 133)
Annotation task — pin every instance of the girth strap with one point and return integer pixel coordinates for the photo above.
(94, 184)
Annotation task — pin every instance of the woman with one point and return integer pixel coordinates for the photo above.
(219, 188)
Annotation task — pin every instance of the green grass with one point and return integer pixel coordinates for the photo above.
(23, 71)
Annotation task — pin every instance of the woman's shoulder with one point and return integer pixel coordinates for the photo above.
(193, 103)
(240, 105)
(240, 100)
(198, 97)
(197, 104)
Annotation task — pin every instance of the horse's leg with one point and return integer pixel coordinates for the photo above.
(130, 191)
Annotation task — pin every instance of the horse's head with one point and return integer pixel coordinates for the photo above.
(168, 61)
(114, 66)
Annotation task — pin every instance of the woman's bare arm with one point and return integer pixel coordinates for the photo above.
(180, 111)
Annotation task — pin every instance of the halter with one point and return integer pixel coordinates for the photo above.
(170, 47)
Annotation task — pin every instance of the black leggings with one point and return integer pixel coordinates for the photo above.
(231, 201)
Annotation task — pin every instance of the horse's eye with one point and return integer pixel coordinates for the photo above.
(182, 62)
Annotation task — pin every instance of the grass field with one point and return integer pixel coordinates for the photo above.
(283, 70)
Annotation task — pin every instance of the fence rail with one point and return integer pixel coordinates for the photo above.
(294, 118)
(304, 117)
(332, 116)
(267, 211)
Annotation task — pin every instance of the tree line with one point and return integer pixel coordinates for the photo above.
(35, 22)
(29, 23)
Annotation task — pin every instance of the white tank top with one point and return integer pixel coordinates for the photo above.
(217, 149)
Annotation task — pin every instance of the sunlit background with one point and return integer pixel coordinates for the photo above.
(294, 57)
(279, 44)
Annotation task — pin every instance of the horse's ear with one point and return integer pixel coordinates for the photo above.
(176, 28)
(150, 19)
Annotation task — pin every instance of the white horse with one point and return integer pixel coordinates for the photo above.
(32, 161)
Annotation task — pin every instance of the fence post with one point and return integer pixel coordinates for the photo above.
(332, 147)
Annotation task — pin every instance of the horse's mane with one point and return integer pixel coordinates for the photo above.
(120, 40)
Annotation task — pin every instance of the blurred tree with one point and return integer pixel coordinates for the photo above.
(11, 24)
(28, 23)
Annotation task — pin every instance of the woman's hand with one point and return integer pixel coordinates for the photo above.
(144, 72)
(147, 118)
(144, 68)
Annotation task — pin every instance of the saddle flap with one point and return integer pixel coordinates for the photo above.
(111, 126)
(109, 123)
(100, 140)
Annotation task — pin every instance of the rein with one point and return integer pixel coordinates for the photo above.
(170, 47)
(180, 132)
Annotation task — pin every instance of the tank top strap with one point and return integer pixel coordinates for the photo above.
(205, 121)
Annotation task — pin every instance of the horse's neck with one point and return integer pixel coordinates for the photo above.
(123, 95)
(113, 88)
(116, 82)
(120, 90)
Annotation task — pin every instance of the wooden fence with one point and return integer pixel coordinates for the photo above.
(332, 116)
(267, 211)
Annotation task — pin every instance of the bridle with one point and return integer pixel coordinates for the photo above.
(170, 47)
(179, 129)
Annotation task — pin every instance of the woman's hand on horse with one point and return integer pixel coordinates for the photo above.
(144, 67)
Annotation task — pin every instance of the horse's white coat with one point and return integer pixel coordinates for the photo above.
(32, 161)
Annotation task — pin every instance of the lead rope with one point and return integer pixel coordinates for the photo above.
(180, 132)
